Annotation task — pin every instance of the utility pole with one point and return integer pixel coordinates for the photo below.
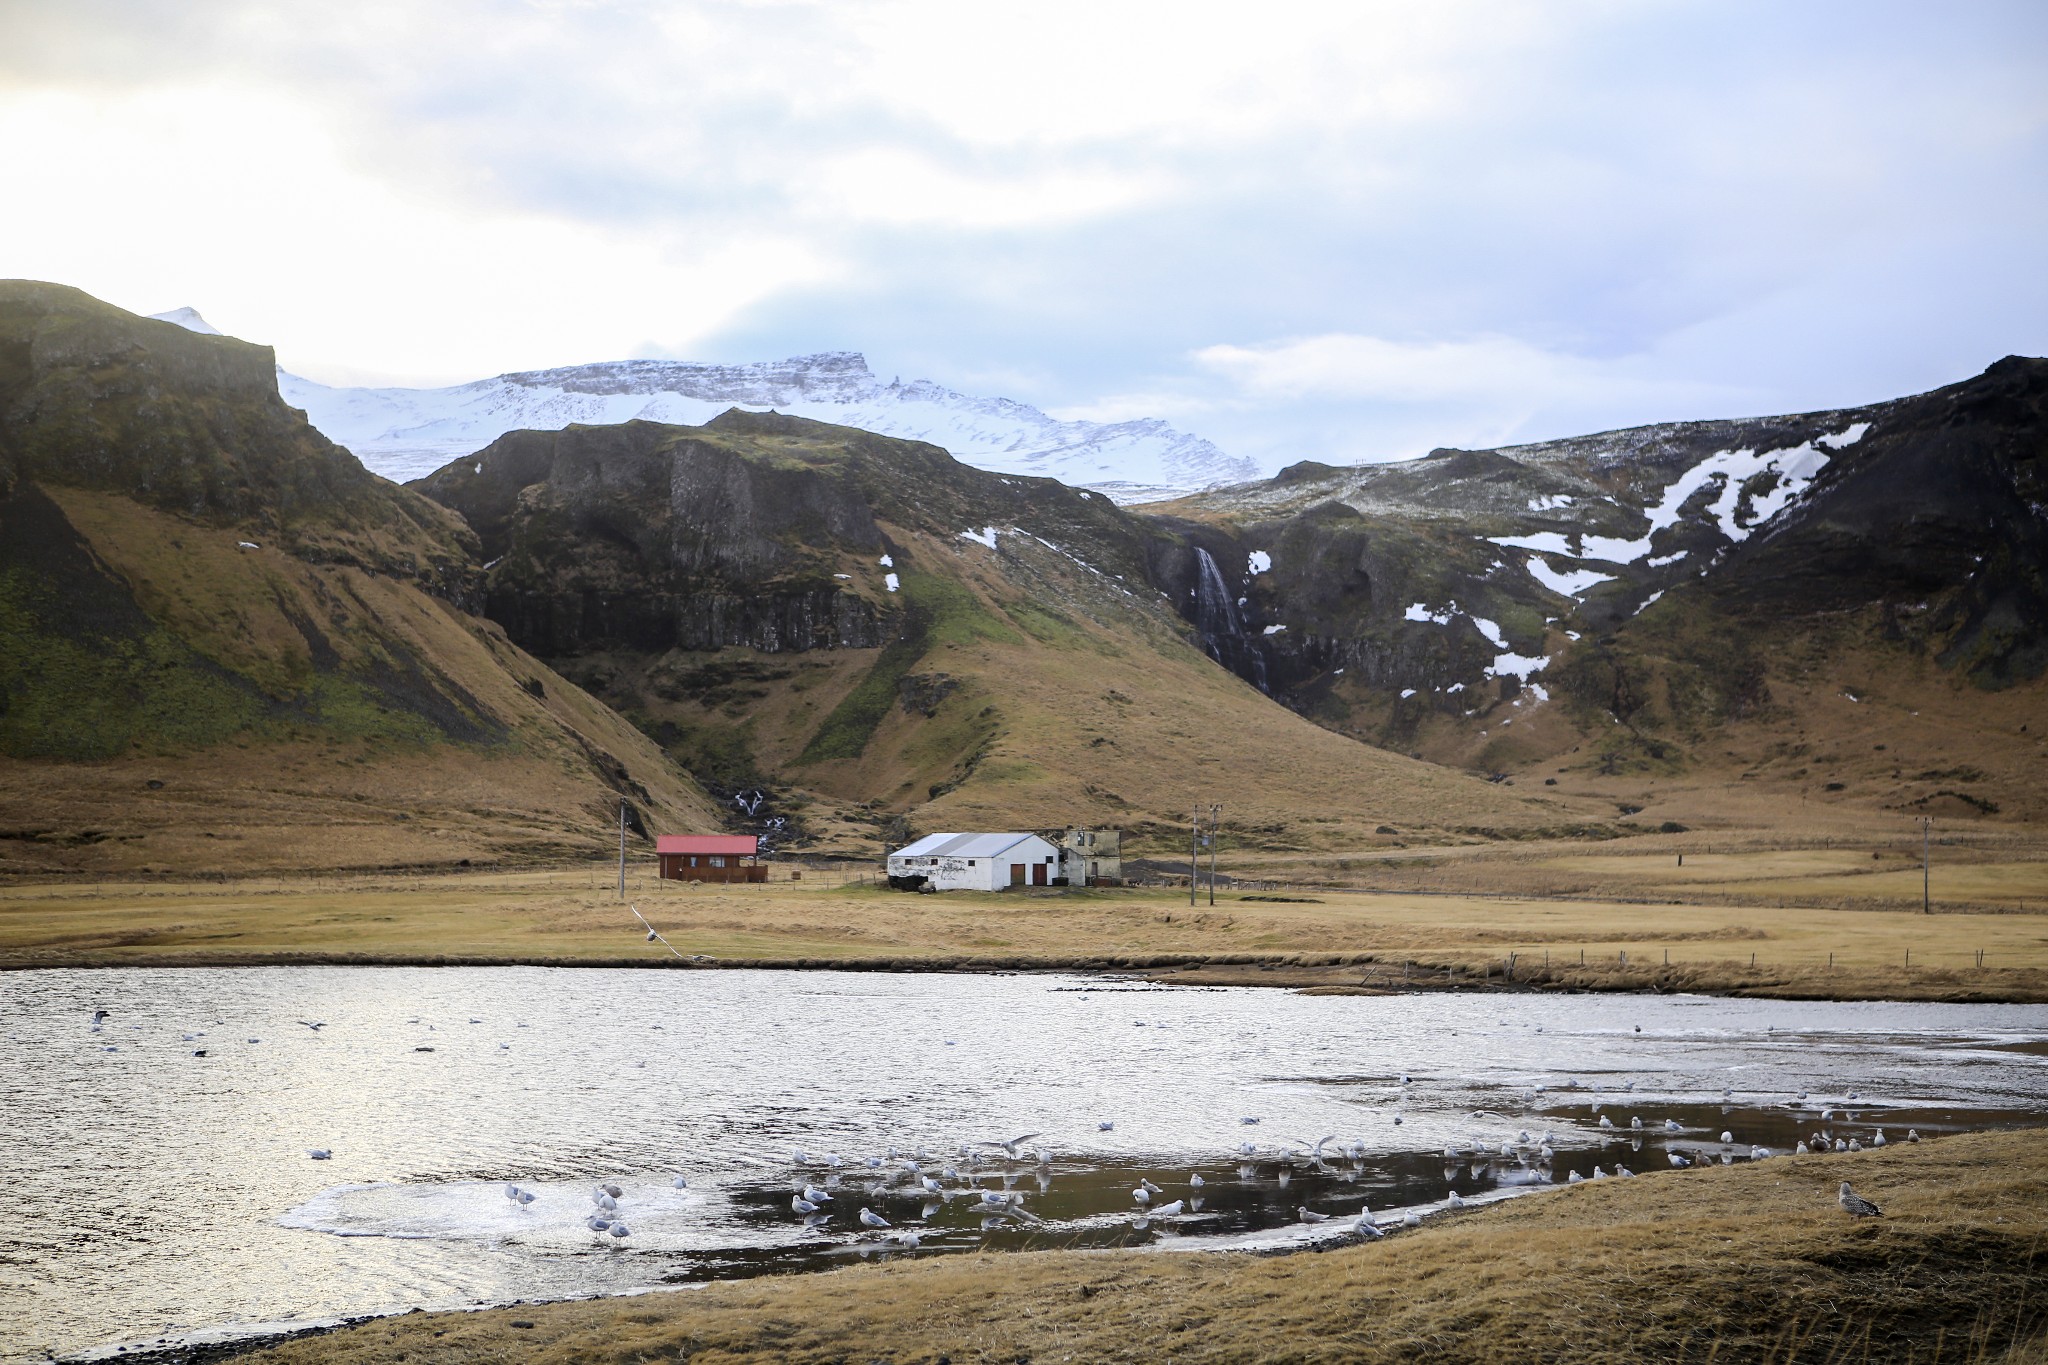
(1194, 855)
(1215, 824)
(1926, 877)
(622, 848)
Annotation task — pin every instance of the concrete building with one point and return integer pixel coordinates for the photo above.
(974, 862)
(1092, 857)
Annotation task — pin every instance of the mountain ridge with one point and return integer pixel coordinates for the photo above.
(407, 433)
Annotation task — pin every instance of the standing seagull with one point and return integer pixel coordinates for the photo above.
(1855, 1205)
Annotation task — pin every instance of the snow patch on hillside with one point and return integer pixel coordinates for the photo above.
(1574, 583)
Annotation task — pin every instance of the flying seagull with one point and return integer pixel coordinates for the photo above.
(652, 935)
(1855, 1205)
(1011, 1146)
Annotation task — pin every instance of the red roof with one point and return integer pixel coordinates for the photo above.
(742, 845)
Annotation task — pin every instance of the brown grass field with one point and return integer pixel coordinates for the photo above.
(1732, 933)
(1750, 1263)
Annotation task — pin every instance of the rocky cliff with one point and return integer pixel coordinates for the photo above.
(216, 625)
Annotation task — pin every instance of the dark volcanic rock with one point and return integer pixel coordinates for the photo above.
(649, 537)
(1942, 506)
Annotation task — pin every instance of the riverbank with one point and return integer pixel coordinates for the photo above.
(1329, 941)
(1754, 1262)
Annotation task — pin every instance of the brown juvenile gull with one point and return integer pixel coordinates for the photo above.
(1855, 1205)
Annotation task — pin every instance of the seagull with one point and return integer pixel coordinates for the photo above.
(679, 1183)
(799, 1204)
(316, 1027)
(621, 1231)
(613, 1190)
(1636, 1125)
(1912, 1135)
(1671, 1126)
(1106, 1126)
(595, 1223)
(525, 1197)
(1878, 1141)
(1573, 1178)
(1365, 1227)
(1455, 1201)
(1727, 1137)
(652, 936)
(1011, 1146)
(1169, 1210)
(1855, 1205)
(1678, 1161)
(1195, 1181)
(1411, 1219)
(1309, 1215)
(1606, 1122)
(512, 1193)
(319, 1153)
(869, 1218)
(1802, 1149)
(1142, 1195)
(812, 1193)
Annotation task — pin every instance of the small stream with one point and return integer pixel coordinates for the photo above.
(160, 1186)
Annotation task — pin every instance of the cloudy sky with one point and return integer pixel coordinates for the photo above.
(1340, 231)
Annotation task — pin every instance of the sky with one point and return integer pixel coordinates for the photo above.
(1342, 232)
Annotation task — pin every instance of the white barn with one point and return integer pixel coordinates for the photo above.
(975, 862)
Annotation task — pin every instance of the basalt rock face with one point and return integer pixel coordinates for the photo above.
(1940, 512)
(754, 530)
(1659, 562)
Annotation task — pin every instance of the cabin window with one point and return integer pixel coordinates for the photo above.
(970, 862)
(718, 860)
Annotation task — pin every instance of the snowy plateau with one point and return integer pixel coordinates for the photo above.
(406, 433)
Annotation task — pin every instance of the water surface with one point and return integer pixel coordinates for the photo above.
(159, 1182)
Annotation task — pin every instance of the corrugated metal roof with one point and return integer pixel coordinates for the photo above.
(961, 846)
(729, 844)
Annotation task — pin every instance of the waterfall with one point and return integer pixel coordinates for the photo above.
(1221, 628)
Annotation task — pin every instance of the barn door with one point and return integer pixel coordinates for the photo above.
(1016, 874)
(1038, 874)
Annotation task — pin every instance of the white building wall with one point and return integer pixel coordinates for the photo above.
(980, 874)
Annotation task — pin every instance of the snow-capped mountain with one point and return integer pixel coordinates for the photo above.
(406, 433)
(189, 319)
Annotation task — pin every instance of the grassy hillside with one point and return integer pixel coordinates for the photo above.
(1844, 608)
(820, 613)
(215, 626)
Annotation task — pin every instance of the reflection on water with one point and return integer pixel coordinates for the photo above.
(159, 1180)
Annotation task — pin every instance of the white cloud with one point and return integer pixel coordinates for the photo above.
(240, 204)
(1308, 230)
(1487, 370)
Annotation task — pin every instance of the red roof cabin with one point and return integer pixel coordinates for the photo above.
(710, 858)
